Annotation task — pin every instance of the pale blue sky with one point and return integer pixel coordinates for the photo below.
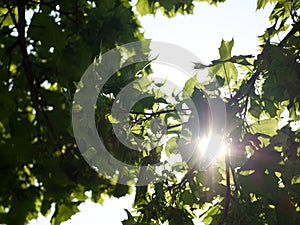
(201, 34)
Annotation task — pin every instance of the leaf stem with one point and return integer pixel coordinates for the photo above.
(227, 79)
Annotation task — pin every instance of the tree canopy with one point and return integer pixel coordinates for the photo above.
(46, 46)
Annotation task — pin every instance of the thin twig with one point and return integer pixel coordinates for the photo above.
(156, 113)
(176, 125)
(228, 190)
(250, 83)
(153, 113)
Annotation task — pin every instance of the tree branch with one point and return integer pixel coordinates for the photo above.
(33, 89)
(228, 190)
(155, 113)
(296, 28)
(21, 25)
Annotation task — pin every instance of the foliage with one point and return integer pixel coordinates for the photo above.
(257, 182)
(41, 60)
(45, 46)
(169, 8)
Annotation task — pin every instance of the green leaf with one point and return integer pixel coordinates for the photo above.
(45, 29)
(262, 3)
(179, 216)
(143, 7)
(255, 108)
(267, 127)
(225, 49)
(171, 118)
(242, 59)
(200, 66)
(189, 86)
(226, 71)
(41, 164)
(220, 80)
(270, 107)
(207, 220)
(171, 146)
(63, 213)
(285, 210)
(130, 220)
(120, 190)
(5, 18)
(188, 197)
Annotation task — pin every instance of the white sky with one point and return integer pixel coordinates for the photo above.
(200, 33)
